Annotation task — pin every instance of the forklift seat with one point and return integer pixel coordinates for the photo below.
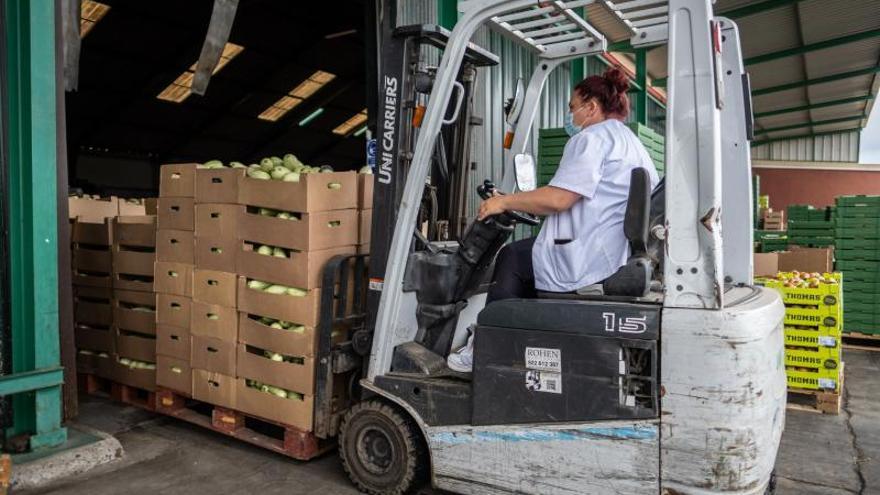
(644, 209)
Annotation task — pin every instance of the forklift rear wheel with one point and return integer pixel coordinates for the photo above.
(381, 449)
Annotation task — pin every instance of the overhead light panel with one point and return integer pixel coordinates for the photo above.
(351, 124)
(179, 90)
(90, 13)
(310, 117)
(340, 34)
(297, 95)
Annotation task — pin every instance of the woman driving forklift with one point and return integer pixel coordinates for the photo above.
(581, 242)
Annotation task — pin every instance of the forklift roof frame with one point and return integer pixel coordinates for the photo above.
(693, 269)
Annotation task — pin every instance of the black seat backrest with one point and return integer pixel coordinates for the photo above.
(637, 221)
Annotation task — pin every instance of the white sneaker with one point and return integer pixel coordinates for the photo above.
(462, 360)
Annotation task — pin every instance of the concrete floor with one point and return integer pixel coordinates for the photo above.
(820, 454)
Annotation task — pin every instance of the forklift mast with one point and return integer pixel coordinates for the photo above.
(404, 82)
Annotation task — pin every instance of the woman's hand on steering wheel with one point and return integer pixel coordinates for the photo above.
(491, 206)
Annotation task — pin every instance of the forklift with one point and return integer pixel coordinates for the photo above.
(666, 378)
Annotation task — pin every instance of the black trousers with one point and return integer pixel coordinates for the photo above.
(514, 276)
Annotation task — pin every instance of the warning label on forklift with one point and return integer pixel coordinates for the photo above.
(544, 381)
(541, 358)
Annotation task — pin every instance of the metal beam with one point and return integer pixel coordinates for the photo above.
(818, 80)
(756, 8)
(824, 104)
(813, 124)
(801, 136)
(31, 380)
(821, 45)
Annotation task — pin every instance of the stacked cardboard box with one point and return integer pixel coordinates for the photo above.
(304, 224)
(134, 308)
(774, 220)
(174, 266)
(365, 212)
(109, 252)
(857, 229)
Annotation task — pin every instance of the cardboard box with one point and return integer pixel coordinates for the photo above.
(252, 332)
(365, 191)
(92, 210)
(807, 260)
(92, 267)
(177, 246)
(86, 362)
(213, 320)
(314, 192)
(217, 220)
(300, 310)
(134, 311)
(214, 388)
(97, 261)
(174, 278)
(212, 354)
(105, 366)
(365, 225)
(137, 231)
(216, 253)
(176, 213)
(254, 364)
(319, 230)
(174, 374)
(364, 249)
(174, 342)
(301, 269)
(172, 309)
(93, 306)
(138, 378)
(766, 264)
(92, 234)
(215, 287)
(291, 412)
(136, 346)
(99, 339)
(131, 262)
(145, 206)
(218, 185)
(177, 180)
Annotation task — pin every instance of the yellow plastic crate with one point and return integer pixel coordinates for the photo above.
(828, 380)
(827, 317)
(821, 358)
(824, 295)
(812, 338)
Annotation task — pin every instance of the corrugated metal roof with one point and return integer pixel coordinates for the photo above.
(781, 33)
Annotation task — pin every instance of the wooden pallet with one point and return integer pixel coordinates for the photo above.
(120, 392)
(270, 435)
(816, 401)
(861, 341)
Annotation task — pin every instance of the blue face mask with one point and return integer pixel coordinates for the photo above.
(570, 127)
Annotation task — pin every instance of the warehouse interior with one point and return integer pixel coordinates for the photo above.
(129, 113)
(295, 79)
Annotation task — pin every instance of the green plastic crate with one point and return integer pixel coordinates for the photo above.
(870, 244)
(859, 200)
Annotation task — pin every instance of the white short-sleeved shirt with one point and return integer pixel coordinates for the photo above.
(597, 163)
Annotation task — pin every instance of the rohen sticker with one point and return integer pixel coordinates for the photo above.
(540, 358)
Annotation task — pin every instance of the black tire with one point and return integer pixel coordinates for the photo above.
(381, 449)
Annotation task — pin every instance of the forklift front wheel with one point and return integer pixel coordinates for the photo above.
(381, 449)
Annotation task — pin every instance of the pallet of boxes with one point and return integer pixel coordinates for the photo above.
(246, 353)
(812, 329)
(114, 310)
(857, 228)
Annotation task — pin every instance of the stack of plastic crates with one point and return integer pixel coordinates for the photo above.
(770, 241)
(813, 325)
(858, 257)
(810, 227)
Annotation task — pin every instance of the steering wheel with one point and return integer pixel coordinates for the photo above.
(487, 189)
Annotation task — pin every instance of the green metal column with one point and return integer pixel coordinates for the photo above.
(641, 94)
(30, 105)
(447, 13)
